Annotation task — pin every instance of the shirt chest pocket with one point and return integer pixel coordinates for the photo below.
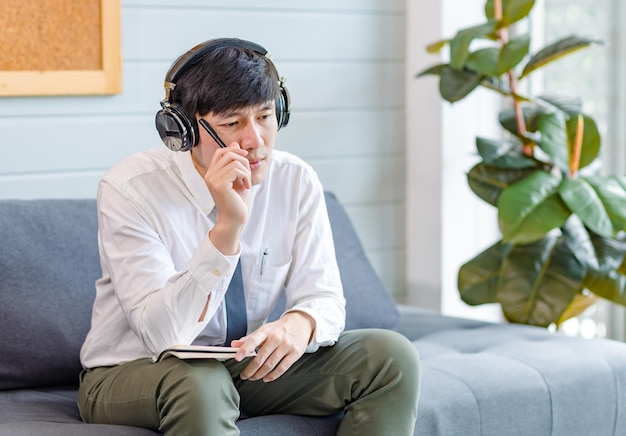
(265, 287)
(269, 273)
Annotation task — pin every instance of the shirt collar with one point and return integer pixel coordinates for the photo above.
(194, 181)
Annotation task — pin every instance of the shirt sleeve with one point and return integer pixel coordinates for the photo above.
(163, 304)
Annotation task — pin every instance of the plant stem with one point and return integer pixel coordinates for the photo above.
(519, 114)
(517, 107)
(574, 162)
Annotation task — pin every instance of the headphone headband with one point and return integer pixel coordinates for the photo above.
(178, 130)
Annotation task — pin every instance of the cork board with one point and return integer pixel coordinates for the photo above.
(60, 47)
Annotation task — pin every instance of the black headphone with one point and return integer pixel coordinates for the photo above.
(179, 131)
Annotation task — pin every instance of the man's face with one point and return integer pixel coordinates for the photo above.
(253, 128)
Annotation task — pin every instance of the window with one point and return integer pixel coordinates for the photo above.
(597, 76)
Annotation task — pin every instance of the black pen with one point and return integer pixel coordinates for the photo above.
(263, 260)
(212, 132)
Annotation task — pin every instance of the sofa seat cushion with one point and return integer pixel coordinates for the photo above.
(489, 379)
(51, 412)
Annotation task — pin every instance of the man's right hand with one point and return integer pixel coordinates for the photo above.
(229, 181)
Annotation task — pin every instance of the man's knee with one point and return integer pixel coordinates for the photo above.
(199, 395)
(389, 384)
(381, 342)
(389, 352)
(197, 381)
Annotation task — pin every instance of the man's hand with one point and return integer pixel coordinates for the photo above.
(229, 181)
(279, 345)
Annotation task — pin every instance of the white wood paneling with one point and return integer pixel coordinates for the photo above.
(344, 63)
(348, 6)
(311, 134)
(383, 223)
(313, 86)
(363, 180)
(50, 143)
(79, 184)
(389, 265)
(291, 35)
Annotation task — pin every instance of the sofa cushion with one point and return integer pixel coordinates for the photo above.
(481, 378)
(48, 265)
(52, 412)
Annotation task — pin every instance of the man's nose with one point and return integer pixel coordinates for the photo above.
(250, 136)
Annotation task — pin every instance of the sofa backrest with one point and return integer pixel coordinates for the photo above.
(48, 267)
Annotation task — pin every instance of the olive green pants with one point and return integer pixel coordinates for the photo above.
(371, 375)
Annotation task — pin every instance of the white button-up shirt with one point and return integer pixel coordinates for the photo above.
(159, 266)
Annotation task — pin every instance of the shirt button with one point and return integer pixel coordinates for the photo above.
(217, 272)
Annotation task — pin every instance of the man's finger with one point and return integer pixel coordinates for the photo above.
(281, 368)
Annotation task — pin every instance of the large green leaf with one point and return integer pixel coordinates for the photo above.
(484, 61)
(555, 51)
(512, 53)
(582, 301)
(533, 110)
(622, 268)
(552, 127)
(584, 201)
(488, 182)
(610, 285)
(435, 70)
(478, 278)
(503, 154)
(456, 85)
(496, 84)
(460, 44)
(538, 281)
(595, 252)
(531, 113)
(512, 10)
(610, 191)
(530, 208)
(436, 46)
(567, 105)
(591, 139)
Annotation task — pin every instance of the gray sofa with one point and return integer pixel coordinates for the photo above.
(477, 378)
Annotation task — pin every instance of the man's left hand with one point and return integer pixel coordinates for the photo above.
(278, 345)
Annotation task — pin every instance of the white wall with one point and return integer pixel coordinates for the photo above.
(344, 61)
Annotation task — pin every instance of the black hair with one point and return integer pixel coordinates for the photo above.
(226, 79)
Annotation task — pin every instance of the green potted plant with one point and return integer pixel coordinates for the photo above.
(562, 221)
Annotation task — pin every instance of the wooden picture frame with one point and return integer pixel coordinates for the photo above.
(96, 36)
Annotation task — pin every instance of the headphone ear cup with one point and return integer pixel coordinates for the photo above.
(175, 128)
(283, 107)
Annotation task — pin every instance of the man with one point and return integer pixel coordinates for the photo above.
(178, 224)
